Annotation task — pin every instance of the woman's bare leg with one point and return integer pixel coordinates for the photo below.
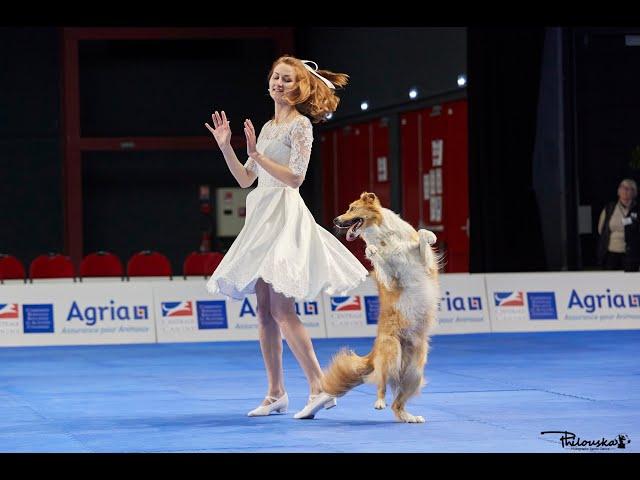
(297, 337)
(270, 342)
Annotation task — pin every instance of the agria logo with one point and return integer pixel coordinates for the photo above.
(590, 303)
(457, 304)
(302, 308)
(91, 314)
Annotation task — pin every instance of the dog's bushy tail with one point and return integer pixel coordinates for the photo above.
(347, 370)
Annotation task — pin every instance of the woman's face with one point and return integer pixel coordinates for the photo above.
(625, 193)
(282, 80)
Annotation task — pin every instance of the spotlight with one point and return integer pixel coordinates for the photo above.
(413, 93)
(364, 105)
(462, 80)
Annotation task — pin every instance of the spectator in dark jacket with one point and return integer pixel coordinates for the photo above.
(619, 229)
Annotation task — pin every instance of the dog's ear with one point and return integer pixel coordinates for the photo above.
(368, 197)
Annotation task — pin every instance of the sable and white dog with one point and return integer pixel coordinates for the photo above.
(406, 271)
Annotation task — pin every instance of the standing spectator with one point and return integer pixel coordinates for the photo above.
(619, 229)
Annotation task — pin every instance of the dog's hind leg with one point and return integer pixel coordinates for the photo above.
(382, 390)
(386, 366)
(410, 385)
(411, 380)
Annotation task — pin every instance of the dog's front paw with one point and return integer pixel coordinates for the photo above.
(428, 236)
(380, 404)
(371, 251)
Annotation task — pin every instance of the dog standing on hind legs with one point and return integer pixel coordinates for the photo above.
(406, 272)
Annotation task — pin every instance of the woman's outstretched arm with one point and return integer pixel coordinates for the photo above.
(222, 133)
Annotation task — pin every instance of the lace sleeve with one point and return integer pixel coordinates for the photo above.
(301, 140)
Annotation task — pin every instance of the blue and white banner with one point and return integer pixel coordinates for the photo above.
(564, 301)
(187, 312)
(463, 306)
(353, 315)
(78, 314)
(114, 312)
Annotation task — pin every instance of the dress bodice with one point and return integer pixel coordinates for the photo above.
(288, 144)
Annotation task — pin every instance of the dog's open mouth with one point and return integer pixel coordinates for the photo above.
(354, 230)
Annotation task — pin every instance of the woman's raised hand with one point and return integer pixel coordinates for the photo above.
(221, 130)
(250, 133)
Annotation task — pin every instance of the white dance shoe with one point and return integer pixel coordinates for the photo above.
(278, 405)
(316, 403)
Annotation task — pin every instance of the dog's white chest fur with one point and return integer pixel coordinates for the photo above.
(396, 255)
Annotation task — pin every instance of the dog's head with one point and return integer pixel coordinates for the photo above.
(362, 213)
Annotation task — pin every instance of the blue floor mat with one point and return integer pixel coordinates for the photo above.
(485, 393)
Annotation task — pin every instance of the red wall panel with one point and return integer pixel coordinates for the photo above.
(411, 166)
(380, 180)
(457, 185)
(350, 166)
(418, 129)
(328, 141)
(434, 129)
(352, 169)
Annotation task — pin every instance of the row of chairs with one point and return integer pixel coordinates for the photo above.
(105, 264)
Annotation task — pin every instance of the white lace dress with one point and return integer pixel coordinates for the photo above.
(280, 241)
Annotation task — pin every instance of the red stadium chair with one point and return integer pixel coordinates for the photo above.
(201, 264)
(11, 268)
(52, 265)
(101, 264)
(148, 264)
